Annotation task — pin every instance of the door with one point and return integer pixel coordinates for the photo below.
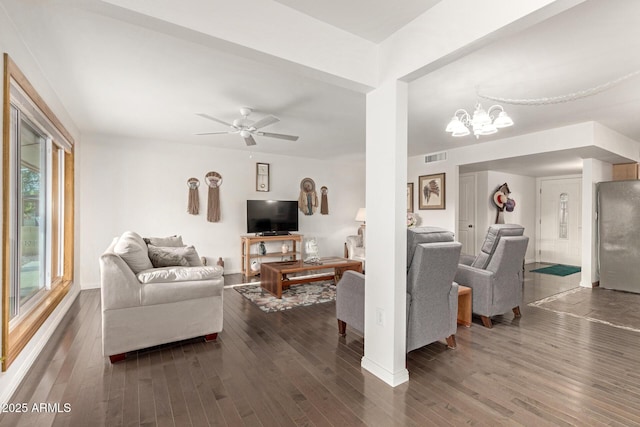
(467, 214)
(561, 221)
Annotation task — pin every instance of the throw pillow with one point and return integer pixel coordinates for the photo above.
(163, 258)
(188, 252)
(133, 251)
(171, 241)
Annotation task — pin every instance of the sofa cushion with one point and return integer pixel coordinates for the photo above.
(188, 252)
(180, 274)
(133, 250)
(171, 241)
(171, 292)
(161, 257)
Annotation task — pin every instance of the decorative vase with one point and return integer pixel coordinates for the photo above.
(255, 265)
(262, 249)
(285, 248)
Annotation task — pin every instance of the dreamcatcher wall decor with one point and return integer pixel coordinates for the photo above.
(308, 199)
(214, 181)
(193, 205)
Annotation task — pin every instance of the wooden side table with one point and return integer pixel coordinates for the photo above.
(464, 305)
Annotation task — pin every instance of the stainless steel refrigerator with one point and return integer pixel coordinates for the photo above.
(619, 235)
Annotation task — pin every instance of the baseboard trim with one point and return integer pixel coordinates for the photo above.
(394, 379)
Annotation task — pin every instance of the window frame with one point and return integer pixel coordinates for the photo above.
(16, 336)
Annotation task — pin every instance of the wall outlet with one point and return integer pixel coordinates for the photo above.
(380, 316)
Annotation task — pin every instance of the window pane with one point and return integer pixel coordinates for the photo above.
(563, 216)
(32, 205)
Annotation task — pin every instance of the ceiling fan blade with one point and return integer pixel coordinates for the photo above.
(212, 133)
(206, 116)
(279, 135)
(250, 141)
(269, 120)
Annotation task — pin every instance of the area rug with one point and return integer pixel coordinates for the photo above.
(558, 270)
(295, 296)
(605, 306)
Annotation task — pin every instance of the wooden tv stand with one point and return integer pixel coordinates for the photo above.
(248, 241)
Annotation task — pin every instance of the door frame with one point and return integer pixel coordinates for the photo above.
(539, 207)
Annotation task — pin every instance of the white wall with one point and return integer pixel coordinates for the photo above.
(523, 191)
(140, 185)
(445, 218)
(11, 43)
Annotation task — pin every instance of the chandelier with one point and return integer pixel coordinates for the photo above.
(482, 122)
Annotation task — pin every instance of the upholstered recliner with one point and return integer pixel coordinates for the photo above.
(494, 233)
(495, 275)
(432, 297)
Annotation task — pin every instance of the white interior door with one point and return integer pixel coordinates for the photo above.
(561, 221)
(467, 214)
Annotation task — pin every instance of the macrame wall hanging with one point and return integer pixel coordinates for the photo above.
(324, 202)
(213, 180)
(308, 200)
(193, 206)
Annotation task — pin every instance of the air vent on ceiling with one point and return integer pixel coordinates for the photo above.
(435, 157)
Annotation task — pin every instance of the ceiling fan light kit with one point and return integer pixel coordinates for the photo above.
(483, 122)
(247, 128)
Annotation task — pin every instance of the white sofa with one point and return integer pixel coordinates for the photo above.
(143, 306)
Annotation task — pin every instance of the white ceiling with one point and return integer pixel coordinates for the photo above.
(374, 20)
(119, 78)
(591, 44)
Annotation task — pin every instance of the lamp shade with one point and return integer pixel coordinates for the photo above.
(361, 215)
(503, 120)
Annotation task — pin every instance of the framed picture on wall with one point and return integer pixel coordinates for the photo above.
(431, 191)
(410, 197)
(262, 176)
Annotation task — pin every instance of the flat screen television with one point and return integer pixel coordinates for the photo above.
(272, 217)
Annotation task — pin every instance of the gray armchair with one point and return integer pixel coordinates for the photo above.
(432, 297)
(497, 286)
(494, 233)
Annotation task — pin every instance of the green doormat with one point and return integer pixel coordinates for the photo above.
(558, 270)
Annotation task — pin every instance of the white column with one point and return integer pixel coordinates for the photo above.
(386, 233)
(593, 171)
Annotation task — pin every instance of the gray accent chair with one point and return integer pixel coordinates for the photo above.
(495, 275)
(494, 233)
(432, 297)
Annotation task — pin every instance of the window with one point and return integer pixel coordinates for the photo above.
(563, 215)
(37, 192)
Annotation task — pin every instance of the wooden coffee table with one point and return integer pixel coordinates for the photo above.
(273, 275)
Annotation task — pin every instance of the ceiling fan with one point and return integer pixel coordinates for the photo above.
(248, 128)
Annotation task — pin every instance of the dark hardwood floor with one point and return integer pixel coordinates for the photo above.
(292, 368)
